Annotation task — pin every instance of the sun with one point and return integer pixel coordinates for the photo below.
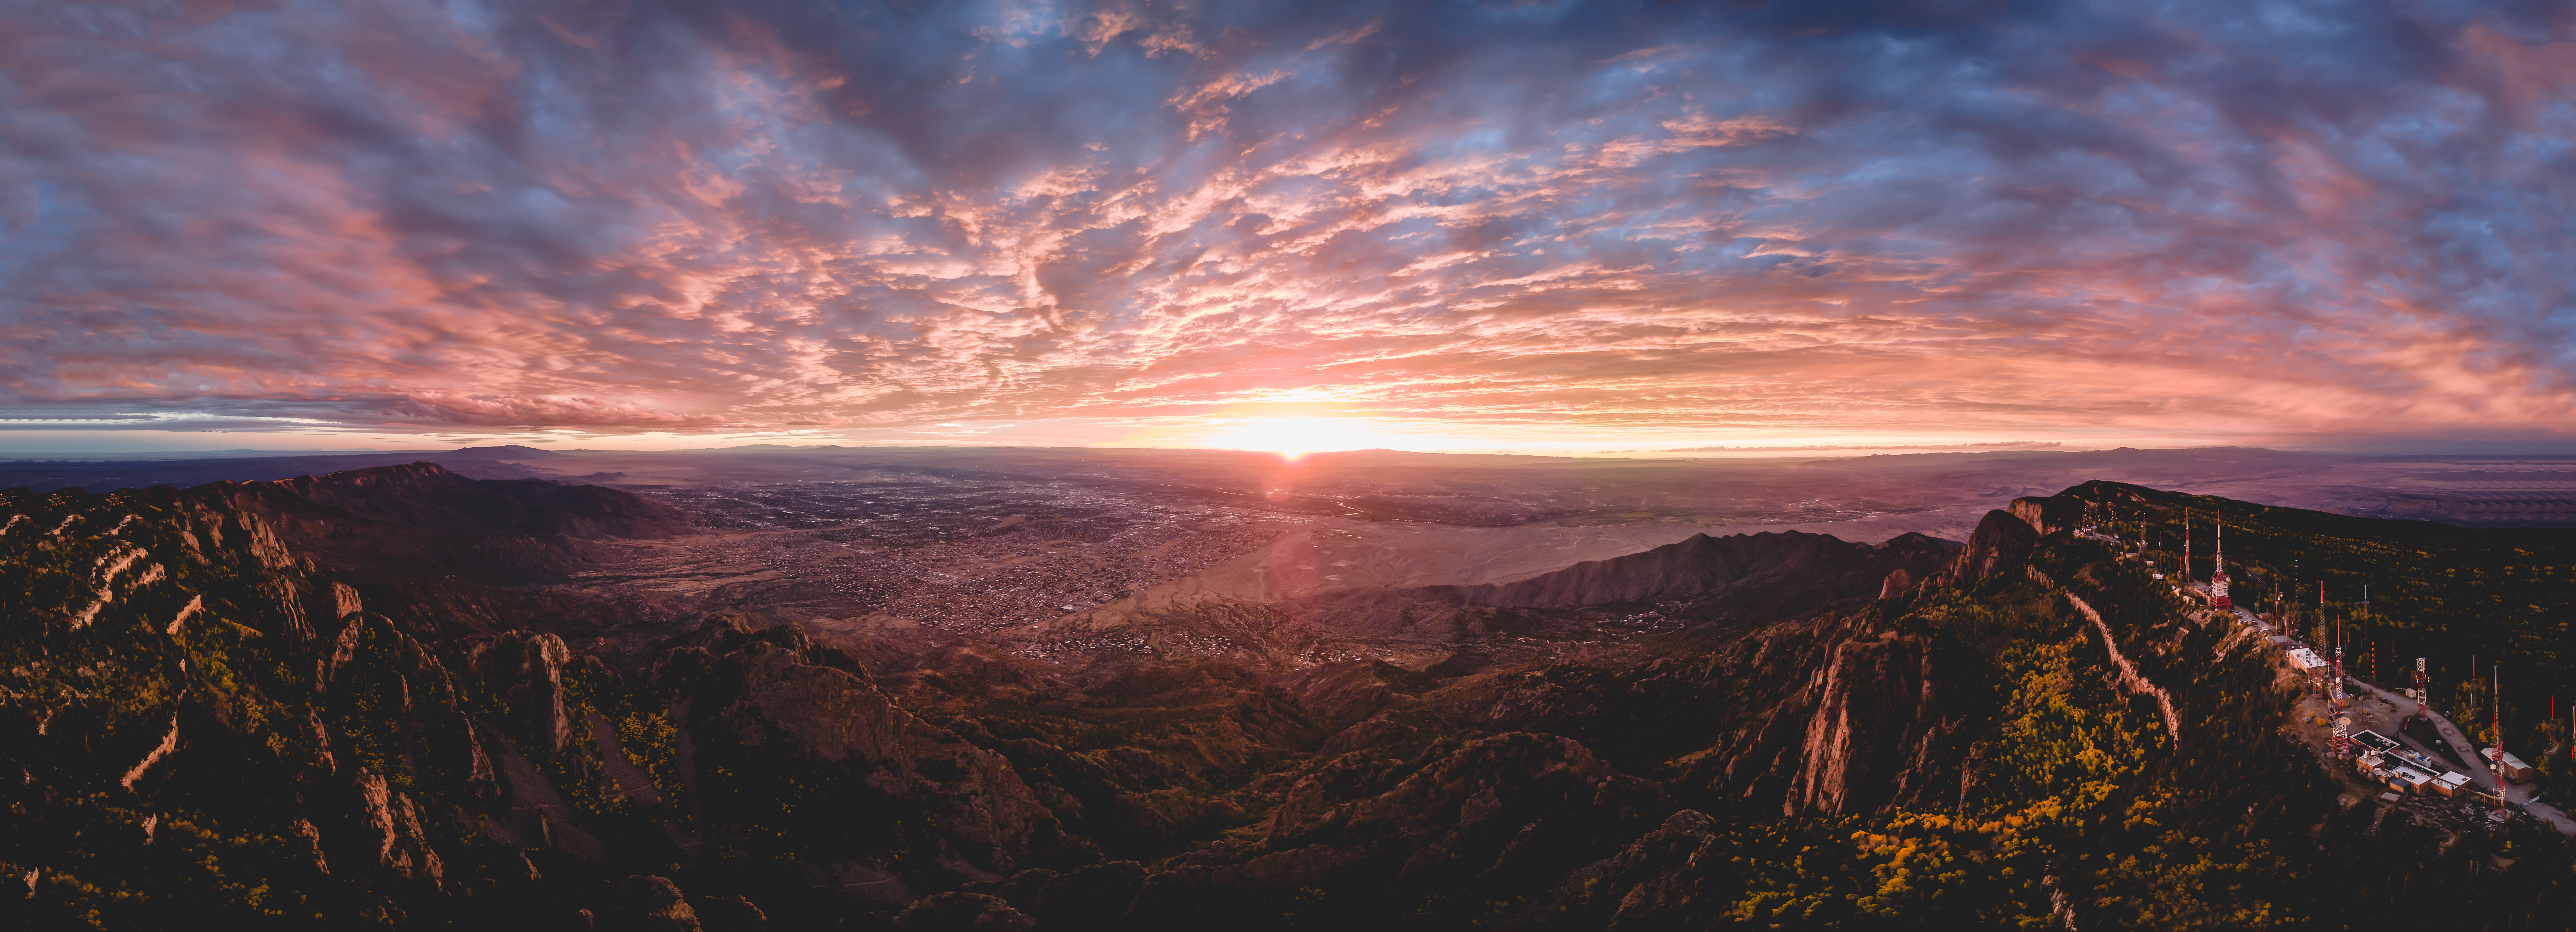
(1292, 437)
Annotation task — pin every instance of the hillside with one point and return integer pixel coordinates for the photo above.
(2449, 594)
(419, 520)
(229, 709)
(1790, 572)
(47, 475)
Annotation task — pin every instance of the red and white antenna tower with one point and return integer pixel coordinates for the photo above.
(2218, 572)
(2339, 706)
(2316, 678)
(2370, 648)
(2496, 773)
(2338, 659)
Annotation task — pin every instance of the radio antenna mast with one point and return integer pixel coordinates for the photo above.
(2496, 773)
(2218, 569)
(2339, 705)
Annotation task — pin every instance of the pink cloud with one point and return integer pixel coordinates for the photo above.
(624, 219)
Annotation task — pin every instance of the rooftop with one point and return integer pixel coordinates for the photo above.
(2509, 760)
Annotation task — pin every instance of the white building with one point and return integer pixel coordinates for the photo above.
(2513, 769)
(2451, 784)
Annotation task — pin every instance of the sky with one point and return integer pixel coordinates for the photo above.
(1527, 225)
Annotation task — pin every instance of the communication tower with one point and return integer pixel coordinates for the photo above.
(2338, 660)
(2496, 773)
(2339, 706)
(2218, 572)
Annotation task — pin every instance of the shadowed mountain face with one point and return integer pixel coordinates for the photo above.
(244, 705)
(502, 462)
(419, 520)
(1745, 575)
(429, 497)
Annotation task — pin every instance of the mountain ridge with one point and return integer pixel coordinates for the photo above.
(216, 723)
(1705, 566)
(421, 520)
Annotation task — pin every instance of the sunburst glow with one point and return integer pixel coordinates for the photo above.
(1292, 437)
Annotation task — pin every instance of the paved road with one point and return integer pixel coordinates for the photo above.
(2518, 796)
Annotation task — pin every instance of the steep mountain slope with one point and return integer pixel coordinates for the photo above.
(1745, 575)
(232, 706)
(1281, 608)
(418, 520)
(398, 766)
(2400, 590)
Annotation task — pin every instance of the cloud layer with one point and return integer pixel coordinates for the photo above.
(1630, 219)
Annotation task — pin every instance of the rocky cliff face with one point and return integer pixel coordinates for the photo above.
(754, 694)
(216, 717)
(194, 656)
(409, 751)
(2050, 514)
(1876, 729)
(2001, 543)
(1838, 714)
(528, 671)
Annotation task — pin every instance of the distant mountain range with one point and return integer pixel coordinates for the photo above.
(45, 475)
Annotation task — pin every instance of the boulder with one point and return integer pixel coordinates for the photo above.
(963, 912)
(653, 904)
